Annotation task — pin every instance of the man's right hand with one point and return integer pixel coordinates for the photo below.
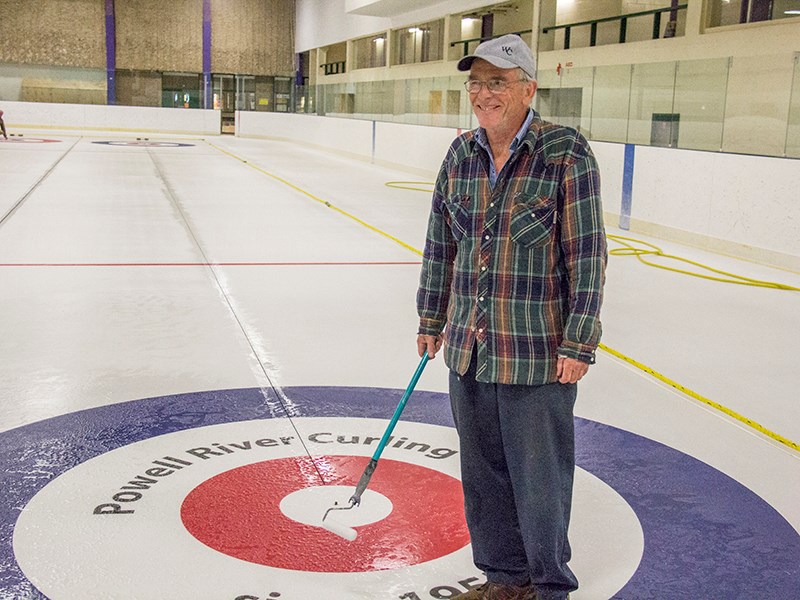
(429, 344)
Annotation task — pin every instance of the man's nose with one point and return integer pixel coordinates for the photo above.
(484, 92)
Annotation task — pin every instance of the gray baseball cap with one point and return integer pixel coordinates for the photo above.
(507, 52)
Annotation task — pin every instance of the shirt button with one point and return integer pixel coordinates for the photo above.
(480, 299)
(480, 330)
(473, 329)
(483, 268)
(487, 237)
(491, 204)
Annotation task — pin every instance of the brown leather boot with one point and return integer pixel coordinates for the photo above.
(497, 591)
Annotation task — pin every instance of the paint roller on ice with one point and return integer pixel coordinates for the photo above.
(339, 529)
(344, 531)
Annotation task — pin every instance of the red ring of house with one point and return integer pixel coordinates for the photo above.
(238, 514)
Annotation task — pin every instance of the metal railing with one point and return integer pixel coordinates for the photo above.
(333, 68)
(466, 43)
(623, 24)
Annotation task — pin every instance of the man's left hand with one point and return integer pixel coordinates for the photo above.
(570, 370)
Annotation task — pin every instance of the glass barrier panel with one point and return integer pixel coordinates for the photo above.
(265, 94)
(610, 103)
(652, 120)
(437, 102)
(454, 101)
(333, 100)
(377, 101)
(426, 102)
(385, 100)
(684, 104)
(757, 104)
(325, 91)
(33, 83)
(548, 82)
(459, 95)
(409, 100)
(549, 78)
(397, 92)
(365, 100)
(575, 99)
(386, 104)
(700, 90)
(793, 129)
(362, 100)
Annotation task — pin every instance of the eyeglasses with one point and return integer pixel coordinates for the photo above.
(473, 86)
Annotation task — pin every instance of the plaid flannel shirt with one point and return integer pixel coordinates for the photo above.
(516, 271)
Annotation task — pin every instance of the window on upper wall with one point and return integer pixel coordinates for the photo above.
(370, 52)
(419, 43)
(333, 58)
(735, 12)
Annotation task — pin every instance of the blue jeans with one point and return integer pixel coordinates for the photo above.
(517, 467)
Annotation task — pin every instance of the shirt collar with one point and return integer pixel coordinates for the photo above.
(522, 133)
(519, 138)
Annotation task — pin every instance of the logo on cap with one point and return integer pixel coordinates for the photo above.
(507, 50)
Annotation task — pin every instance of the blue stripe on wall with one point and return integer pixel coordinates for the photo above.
(207, 53)
(627, 188)
(111, 54)
(374, 133)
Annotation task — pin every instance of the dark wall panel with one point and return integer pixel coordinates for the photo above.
(53, 32)
(253, 37)
(160, 35)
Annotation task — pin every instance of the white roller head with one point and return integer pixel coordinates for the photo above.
(344, 531)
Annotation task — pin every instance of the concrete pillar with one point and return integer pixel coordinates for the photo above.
(544, 15)
(694, 18)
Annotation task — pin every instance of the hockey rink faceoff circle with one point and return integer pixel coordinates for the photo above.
(213, 495)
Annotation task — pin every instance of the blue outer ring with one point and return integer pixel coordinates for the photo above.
(705, 535)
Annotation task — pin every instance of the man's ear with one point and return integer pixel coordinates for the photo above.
(532, 87)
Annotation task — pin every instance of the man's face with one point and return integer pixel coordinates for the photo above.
(498, 112)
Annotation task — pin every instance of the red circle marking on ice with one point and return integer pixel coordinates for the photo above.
(22, 140)
(146, 144)
(238, 513)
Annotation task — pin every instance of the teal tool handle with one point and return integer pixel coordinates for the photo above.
(355, 499)
(398, 411)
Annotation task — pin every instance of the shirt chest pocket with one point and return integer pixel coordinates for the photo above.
(533, 221)
(460, 215)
